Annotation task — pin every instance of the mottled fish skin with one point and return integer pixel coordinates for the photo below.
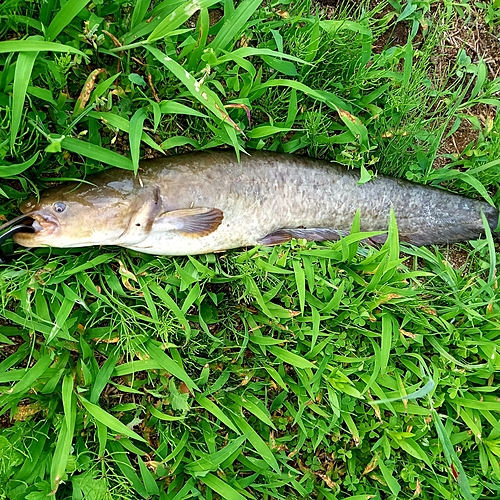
(208, 202)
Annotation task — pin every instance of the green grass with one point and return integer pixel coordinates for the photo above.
(329, 371)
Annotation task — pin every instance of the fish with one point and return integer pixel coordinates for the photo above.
(208, 201)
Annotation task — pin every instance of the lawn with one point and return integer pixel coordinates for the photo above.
(326, 371)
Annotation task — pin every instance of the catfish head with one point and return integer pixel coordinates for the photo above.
(111, 211)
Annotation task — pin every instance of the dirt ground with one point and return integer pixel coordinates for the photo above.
(471, 34)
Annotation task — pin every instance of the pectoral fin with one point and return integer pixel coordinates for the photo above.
(310, 234)
(194, 222)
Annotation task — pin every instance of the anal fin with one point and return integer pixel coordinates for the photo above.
(310, 234)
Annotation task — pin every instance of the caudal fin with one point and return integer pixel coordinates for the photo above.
(460, 228)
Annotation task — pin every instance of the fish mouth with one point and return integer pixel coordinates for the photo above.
(32, 227)
(36, 222)
(45, 223)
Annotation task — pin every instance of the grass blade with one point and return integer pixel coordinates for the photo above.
(389, 478)
(36, 46)
(178, 17)
(120, 457)
(357, 128)
(123, 124)
(148, 479)
(252, 405)
(135, 134)
(328, 98)
(177, 108)
(266, 130)
(300, 279)
(491, 250)
(22, 76)
(88, 150)
(62, 315)
(34, 373)
(393, 237)
(223, 489)
(213, 461)
(104, 375)
(198, 90)
(234, 24)
(163, 416)
(64, 17)
(140, 9)
(257, 442)
(109, 421)
(386, 343)
(451, 456)
(165, 297)
(211, 407)
(168, 364)
(420, 393)
(60, 457)
(408, 62)
(65, 437)
(290, 357)
(10, 170)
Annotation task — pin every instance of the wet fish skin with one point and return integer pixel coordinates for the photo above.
(206, 201)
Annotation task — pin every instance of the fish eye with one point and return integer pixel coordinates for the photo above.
(59, 207)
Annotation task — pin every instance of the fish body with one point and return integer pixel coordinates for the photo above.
(208, 202)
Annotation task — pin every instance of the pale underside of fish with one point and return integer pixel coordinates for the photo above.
(208, 202)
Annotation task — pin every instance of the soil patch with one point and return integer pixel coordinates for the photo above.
(471, 35)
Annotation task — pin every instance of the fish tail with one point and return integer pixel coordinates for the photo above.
(463, 227)
(493, 218)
